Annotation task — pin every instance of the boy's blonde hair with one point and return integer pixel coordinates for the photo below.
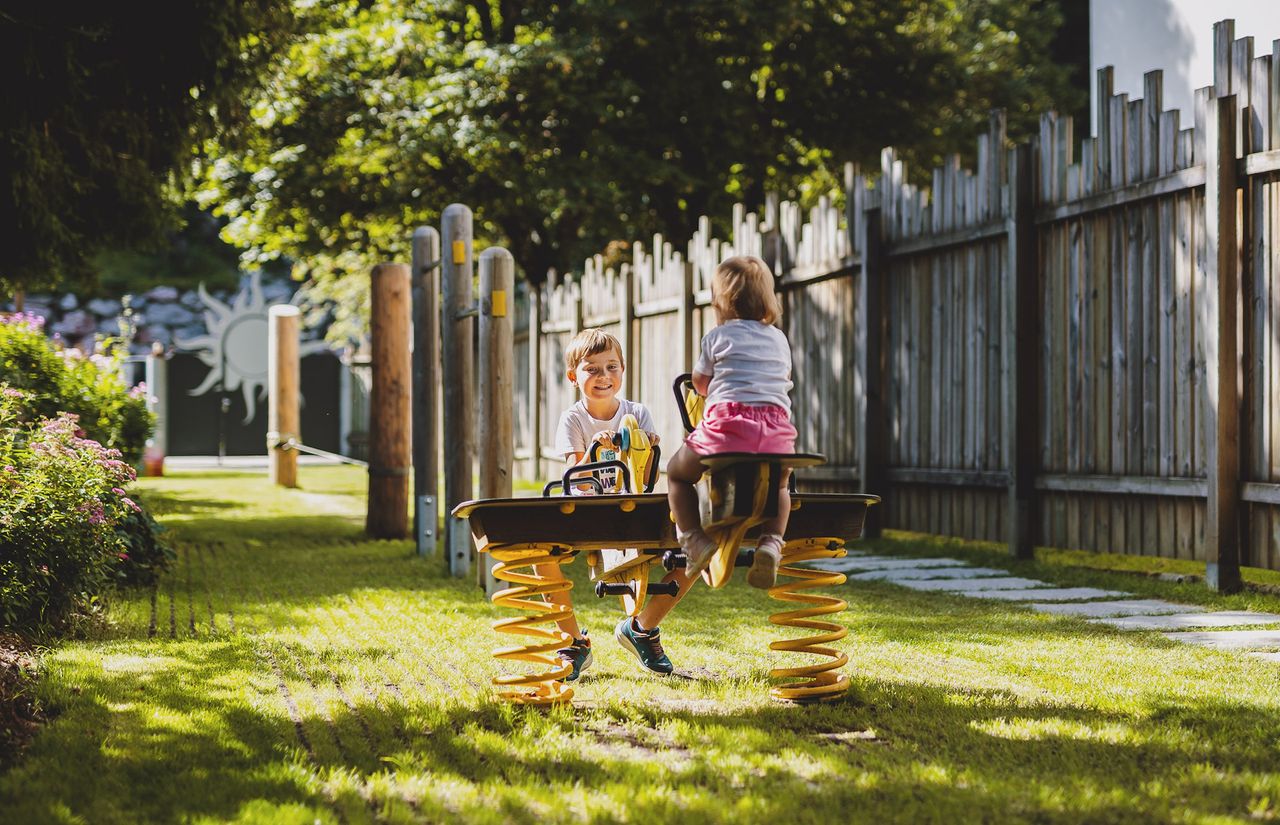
(742, 287)
(591, 342)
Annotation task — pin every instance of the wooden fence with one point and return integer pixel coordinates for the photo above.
(1034, 351)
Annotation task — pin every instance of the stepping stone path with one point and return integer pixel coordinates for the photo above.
(1178, 620)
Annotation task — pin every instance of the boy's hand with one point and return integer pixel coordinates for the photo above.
(653, 438)
(604, 438)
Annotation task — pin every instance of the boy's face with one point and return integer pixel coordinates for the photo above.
(599, 376)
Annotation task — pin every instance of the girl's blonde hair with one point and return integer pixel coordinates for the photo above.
(742, 287)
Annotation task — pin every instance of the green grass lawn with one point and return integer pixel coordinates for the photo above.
(290, 671)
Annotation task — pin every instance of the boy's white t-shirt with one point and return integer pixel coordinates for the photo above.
(749, 362)
(573, 433)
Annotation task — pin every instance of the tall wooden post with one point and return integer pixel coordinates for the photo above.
(456, 328)
(390, 403)
(1020, 334)
(1220, 308)
(871, 344)
(426, 382)
(535, 382)
(497, 380)
(283, 372)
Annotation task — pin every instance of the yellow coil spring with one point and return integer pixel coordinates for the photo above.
(824, 679)
(528, 594)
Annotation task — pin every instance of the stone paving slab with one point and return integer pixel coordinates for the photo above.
(1184, 621)
(1269, 657)
(1060, 593)
(901, 574)
(969, 586)
(1126, 607)
(883, 563)
(1229, 639)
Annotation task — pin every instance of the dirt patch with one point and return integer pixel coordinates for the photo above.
(19, 716)
(632, 742)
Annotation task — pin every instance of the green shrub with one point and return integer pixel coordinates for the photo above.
(144, 556)
(65, 380)
(61, 502)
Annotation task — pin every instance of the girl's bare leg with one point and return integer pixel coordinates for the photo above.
(683, 471)
(778, 524)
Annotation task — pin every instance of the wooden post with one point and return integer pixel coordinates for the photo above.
(283, 372)
(426, 382)
(390, 403)
(1020, 350)
(497, 366)
(871, 338)
(457, 326)
(1220, 308)
(535, 382)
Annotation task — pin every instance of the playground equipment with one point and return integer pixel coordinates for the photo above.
(736, 496)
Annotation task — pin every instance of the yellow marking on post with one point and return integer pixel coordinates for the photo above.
(498, 303)
(567, 508)
(627, 506)
(459, 252)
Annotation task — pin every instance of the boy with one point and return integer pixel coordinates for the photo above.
(594, 363)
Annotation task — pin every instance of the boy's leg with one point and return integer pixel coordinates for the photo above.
(656, 608)
(578, 653)
(641, 635)
(564, 598)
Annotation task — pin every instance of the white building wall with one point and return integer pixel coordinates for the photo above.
(1136, 36)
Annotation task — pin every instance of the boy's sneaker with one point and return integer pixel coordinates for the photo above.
(699, 550)
(764, 563)
(577, 654)
(647, 646)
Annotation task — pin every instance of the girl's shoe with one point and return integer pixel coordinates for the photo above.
(698, 549)
(764, 564)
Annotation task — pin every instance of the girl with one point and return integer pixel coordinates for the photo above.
(744, 371)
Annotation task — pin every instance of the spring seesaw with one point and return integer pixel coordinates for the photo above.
(737, 494)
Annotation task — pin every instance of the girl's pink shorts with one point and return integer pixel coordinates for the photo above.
(731, 427)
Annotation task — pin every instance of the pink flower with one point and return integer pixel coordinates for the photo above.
(10, 392)
(117, 491)
(122, 556)
(130, 503)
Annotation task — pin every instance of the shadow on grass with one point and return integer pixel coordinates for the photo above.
(918, 752)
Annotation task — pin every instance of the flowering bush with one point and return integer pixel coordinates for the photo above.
(62, 501)
(65, 380)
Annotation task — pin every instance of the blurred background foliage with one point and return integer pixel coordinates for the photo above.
(331, 129)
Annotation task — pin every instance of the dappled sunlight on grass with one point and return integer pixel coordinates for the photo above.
(290, 670)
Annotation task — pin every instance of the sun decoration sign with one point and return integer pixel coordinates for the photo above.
(235, 348)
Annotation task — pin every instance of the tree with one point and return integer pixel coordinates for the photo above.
(568, 125)
(102, 114)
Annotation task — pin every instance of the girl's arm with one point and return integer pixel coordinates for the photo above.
(701, 383)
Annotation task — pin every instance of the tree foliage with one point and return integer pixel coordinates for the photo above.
(101, 113)
(569, 125)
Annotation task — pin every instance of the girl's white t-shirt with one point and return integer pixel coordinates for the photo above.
(749, 362)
